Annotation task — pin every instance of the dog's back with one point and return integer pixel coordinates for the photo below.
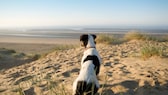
(87, 81)
(95, 61)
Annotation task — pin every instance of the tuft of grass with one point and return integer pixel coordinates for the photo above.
(150, 50)
(107, 39)
(19, 55)
(36, 57)
(7, 51)
(134, 35)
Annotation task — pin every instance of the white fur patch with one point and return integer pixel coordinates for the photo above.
(91, 42)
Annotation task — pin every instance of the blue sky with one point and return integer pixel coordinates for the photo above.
(30, 13)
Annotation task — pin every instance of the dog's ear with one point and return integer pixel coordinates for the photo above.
(84, 40)
(94, 36)
(84, 37)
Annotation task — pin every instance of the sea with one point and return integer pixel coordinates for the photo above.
(74, 33)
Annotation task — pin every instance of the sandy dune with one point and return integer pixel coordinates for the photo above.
(123, 72)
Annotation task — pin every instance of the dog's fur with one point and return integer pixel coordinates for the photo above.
(87, 81)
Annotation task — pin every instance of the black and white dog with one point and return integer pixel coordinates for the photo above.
(87, 81)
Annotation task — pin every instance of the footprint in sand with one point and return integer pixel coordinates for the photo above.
(75, 70)
(116, 61)
(66, 74)
(107, 64)
(26, 78)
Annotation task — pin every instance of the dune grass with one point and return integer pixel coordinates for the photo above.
(129, 36)
(104, 38)
(137, 35)
(150, 50)
(108, 39)
(134, 35)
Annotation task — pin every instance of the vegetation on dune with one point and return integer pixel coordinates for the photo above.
(137, 35)
(149, 50)
(151, 46)
(7, 51)
(134, 35)
(108, 39)
(10, 58)
(129, 36)
(103, 38)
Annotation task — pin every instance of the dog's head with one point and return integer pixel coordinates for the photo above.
(88, 40)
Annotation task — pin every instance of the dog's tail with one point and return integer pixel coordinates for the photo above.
(88, 89)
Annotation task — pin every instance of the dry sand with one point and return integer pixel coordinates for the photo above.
(122, 72)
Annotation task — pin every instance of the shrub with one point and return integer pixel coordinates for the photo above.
(36, 57)
(105, 39)
(134, 35)
(7, 51)
(150, 50)
(19, 55)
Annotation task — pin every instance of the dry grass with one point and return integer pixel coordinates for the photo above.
(137, 35)
(150, 50)
(104, 38)
(108, 39)
(134, 35)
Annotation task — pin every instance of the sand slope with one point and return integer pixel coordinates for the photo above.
(122, 72)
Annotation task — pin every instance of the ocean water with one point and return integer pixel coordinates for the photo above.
(72, 33)
(37, 35)
(40, 34)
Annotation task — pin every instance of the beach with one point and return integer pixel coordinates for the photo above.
(123, 70)
(33, 44)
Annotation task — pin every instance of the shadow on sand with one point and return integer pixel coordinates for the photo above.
(10, 58)
(133, 88)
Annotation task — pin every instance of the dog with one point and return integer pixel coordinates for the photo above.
(87, 82)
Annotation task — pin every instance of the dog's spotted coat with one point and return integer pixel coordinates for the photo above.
(87, 81)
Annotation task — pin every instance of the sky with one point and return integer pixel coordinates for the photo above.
(42, 13)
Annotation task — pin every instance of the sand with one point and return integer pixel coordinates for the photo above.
(34, 45)
(123, 72)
